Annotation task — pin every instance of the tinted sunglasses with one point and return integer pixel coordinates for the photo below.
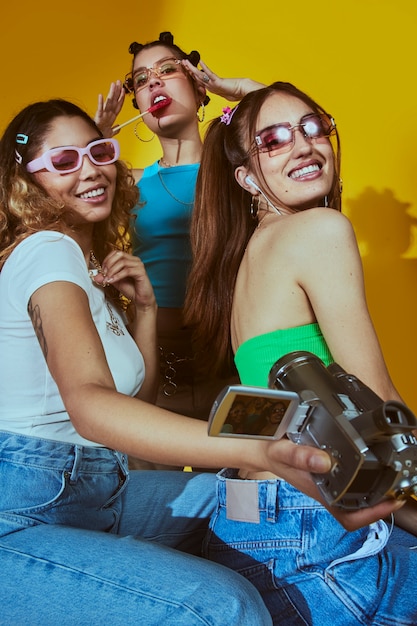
(168, 68)
(69, 159)
(280, 138)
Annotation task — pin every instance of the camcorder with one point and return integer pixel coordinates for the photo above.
(370, 442)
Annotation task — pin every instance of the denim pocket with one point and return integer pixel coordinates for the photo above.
(28, 493)
(33, 493)
(26, 488)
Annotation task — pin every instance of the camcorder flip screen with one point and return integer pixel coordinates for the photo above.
(253, 412)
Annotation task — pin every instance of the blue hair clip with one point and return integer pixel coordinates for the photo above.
(22, 138)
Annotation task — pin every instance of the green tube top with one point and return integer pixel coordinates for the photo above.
(255, 357)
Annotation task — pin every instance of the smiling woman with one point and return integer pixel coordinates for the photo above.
(276, 268)
(73, 377)
(81, 176)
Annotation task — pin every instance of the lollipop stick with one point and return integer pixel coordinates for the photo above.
(137, 117)
(155, 107)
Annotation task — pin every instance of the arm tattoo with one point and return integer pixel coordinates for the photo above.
(35, 316)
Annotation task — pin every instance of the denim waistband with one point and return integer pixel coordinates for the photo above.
(245, 499)
(51, 454)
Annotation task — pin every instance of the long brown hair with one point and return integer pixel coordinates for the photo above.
(222, 224)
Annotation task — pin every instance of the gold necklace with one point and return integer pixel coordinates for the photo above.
(190, 204)
(113, 325)
(165, 163)
(95, 263)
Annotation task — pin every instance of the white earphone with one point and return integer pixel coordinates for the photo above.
(249, 181)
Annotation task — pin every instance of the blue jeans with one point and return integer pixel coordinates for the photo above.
(308, 569)
(82, 542)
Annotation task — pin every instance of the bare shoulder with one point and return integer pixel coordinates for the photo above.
(323, 218)
(308, 239)
(306, 234)
(312, 217)
(318, 226)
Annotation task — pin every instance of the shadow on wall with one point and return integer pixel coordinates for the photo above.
(386, 231)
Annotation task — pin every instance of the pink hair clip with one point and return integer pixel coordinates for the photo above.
(228, 113)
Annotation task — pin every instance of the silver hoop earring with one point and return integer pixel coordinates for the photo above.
(135, 130)
(326, 201)
(203, 113)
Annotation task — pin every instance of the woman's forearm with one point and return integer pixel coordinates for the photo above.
(140, 429)
(143, 331)
(151, 433)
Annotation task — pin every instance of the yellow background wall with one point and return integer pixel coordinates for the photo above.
(357, 58)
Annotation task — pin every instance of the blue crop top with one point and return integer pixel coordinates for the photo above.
(160, 234)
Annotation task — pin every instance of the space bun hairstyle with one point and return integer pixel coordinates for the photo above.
(166, 39)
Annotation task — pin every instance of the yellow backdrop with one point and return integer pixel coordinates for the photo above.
(356, 58)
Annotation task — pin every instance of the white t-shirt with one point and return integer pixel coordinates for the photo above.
(30, 402)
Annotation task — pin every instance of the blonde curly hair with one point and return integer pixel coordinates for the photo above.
(25, 206)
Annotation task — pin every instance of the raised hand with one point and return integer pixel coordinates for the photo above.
(127, 273)
(232, 89)
(109, 109)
